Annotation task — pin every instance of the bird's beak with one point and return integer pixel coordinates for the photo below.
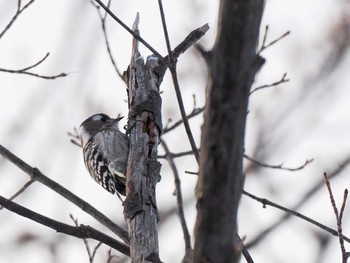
(119, 118)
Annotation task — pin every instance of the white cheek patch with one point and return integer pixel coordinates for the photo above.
(96, 117)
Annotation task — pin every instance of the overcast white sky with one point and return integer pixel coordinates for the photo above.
(303, 119)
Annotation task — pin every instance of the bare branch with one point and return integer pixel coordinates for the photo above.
(75, 139)
(137, 36)
(303, 199)
(267, 202)
(20, 191)
(345, 197)
(180, 208)
(25, 70)
(190, 40)
(189, 172)
(91, 255)
(194, 113)
(242, 248)
(37, 63)
(80, 232)
(172, 68)
(36, 175)
(34, 74)
(338, 216)
(18, 12)
(175, 155)
(103, 24)
(264, 45)
(279, 166)
(282, 80)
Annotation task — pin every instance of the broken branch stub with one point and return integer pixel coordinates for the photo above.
(143, 172)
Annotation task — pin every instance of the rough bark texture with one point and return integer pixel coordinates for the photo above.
(232, 63)
(144, 125)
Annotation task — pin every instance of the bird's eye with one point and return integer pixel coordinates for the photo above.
(104, 117)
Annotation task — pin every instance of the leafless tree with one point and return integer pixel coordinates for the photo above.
(232, 64)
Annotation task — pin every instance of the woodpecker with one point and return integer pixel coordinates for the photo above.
(105, 150)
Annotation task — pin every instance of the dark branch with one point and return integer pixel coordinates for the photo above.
(303, 199)
(279, 166)
(37, 63)
(20, 191)
(103, 24)
(91, 255)
(80, 232)
(338, 216)
(33, 74)
(25, 70)
(175, 155)
(267, 202)
(264, 45)
(172, 69)
(137, 36)
(282, 80)
(192, 38)
(194, 113)
(180, 208)
(75, 139)
(36, 175)
(18, 12)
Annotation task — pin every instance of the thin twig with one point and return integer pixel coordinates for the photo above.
(36, 175)
(18, 12)
(282, 80)
(338, 216)
(20, 191)
(264, 45)
(345, 197)
(175, 155)
(80, 232)
(242, 248)
(194, 113)
(302, 200)
(91, 255)
(103, 24)
(172, 69)
(190, 40)
(75, 139)
(180, 208)
(95, 249)
(25, 70)
(189, 172)
(33, 74)
(341, 238)
(111, 257)
(267, 202)
(279, 166)
(135, 35)
(37, 63)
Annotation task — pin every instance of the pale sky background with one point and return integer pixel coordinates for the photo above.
(303, 119)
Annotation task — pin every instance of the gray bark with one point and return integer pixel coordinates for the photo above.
(140, 208)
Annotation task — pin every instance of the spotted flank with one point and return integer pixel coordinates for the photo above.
(97, 166)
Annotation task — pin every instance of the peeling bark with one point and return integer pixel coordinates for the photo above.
(143, 172)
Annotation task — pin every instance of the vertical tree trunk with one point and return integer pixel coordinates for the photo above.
(144, 124)
(232, 63)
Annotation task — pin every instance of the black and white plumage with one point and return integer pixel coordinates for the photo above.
(105, 150)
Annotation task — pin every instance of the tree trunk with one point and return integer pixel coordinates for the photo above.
(144, 125)
(233, 63)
